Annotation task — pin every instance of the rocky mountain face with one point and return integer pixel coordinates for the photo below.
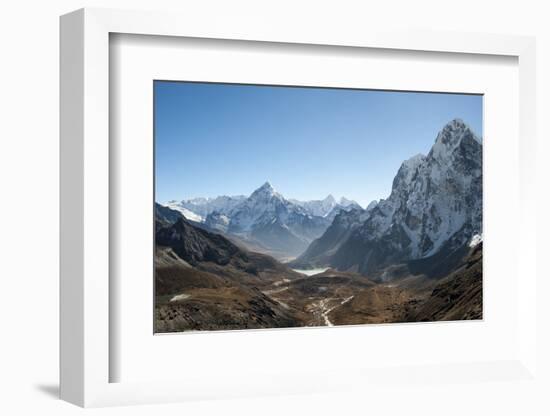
(195, 245)
(165, 216)
(321, 250)
(434, 208)
(457, 296)
(209, 251)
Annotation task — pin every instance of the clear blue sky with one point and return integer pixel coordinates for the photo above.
(224, 139)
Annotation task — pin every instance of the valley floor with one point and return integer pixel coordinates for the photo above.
(203, 301)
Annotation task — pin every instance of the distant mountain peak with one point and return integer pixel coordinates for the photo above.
(454, 144)
(265, 190)
(451, 136)
(453, 128)
(330, 199)
(347, 202)
(455, 123)
(267, 185)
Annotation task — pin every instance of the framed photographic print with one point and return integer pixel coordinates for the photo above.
(264, 211)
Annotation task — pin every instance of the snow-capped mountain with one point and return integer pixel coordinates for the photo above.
(263, 204)
(435, 207)
(347, 202)
(328, 207)
(319, 208)
(275, 222)
(197, 209)
(190, 215)
(217, 221)
(350, 205)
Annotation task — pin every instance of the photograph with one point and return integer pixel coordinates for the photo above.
(227, 208)
(299, 206)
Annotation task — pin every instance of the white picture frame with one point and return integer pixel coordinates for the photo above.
(86, 355)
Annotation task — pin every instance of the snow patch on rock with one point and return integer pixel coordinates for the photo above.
(476, 239)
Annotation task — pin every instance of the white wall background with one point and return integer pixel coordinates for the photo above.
(29, 210)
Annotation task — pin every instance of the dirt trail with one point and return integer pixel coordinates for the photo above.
(323, 306)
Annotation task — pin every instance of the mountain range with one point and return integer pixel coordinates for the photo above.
(265, 221)
(433, 210)
(197, 209)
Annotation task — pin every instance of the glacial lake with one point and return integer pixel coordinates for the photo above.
(311, 272)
